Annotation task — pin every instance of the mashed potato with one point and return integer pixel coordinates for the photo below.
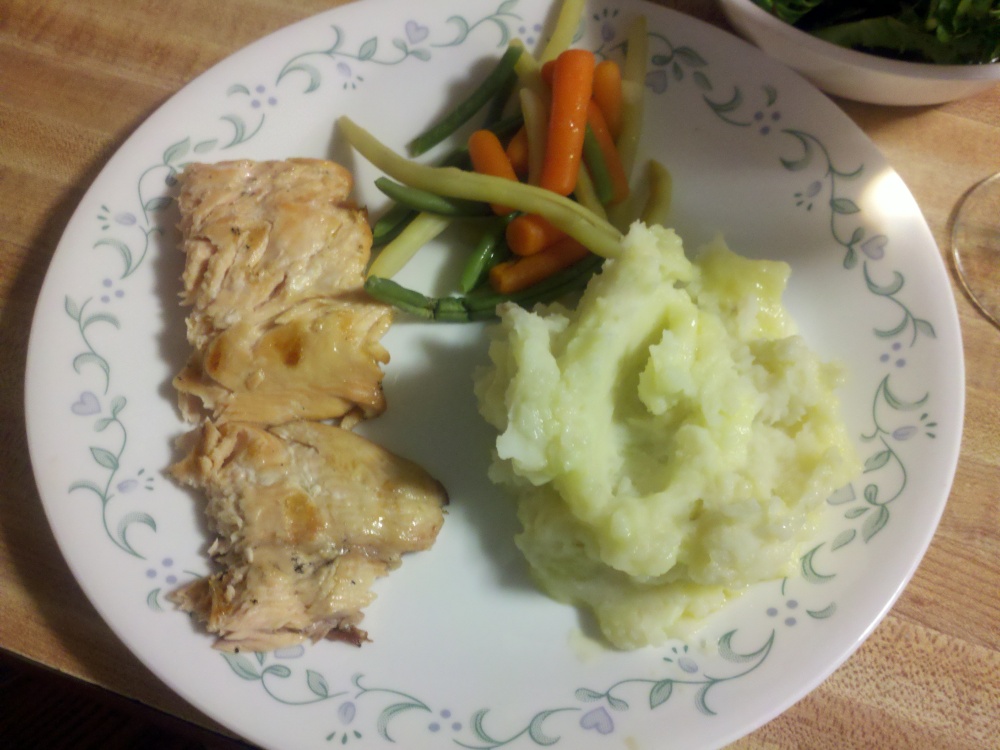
(668, 441)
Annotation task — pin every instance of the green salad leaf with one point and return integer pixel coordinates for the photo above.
(947, 32)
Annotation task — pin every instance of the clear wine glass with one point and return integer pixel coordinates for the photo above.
(975, 246)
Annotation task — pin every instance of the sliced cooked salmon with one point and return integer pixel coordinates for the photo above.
(280, 326)
(287, 356)
(306, 516)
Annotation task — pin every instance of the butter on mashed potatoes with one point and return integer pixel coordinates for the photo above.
(669, 440)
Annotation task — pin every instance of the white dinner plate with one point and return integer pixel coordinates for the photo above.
(465, 650)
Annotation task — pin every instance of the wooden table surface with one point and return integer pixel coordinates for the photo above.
(76, 78)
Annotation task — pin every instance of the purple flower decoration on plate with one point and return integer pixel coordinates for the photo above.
(900, 361)
(791, 604)
(804, 198)
(874, 247)
(415, 32)
(598, 720)
(260, 99)
(169, 577)
(87, 405)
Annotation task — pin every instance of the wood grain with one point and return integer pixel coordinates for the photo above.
(77, 78)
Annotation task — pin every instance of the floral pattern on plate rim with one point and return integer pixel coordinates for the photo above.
(128, 234)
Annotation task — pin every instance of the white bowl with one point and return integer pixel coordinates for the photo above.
(856, 75)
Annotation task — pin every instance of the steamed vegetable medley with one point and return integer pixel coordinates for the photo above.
(669, 439)
(546, 175)
(953, 32)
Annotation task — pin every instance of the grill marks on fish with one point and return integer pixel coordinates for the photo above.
(286, 358)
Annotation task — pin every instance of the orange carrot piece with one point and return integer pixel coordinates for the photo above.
(520, 273)
(608, 94)
(612, 159)
(489, 157)
(572, 87)
(518, 152)
(547, 72)
(528, 234)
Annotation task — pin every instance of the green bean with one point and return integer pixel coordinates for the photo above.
(633, 92)
(483, 306)
(585, 194)
(489, 251)
(413, 302)
(451, 310)
(398, 216)
(387, 290)
(467, 108)
(391, 223)
(565, 29)
(535, 106)
(573, 284)
(552, 287)
(422, 200)
(593, 157)
(586, 227)
(649, 202)
(422, 229)
(498, 106)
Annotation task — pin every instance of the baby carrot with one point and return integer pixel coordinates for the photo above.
(572, 86)
(608, 94)
(489, 157)
(517, 152)
(521, 273)
(547, 72)
(528, 234)
(609, 152)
